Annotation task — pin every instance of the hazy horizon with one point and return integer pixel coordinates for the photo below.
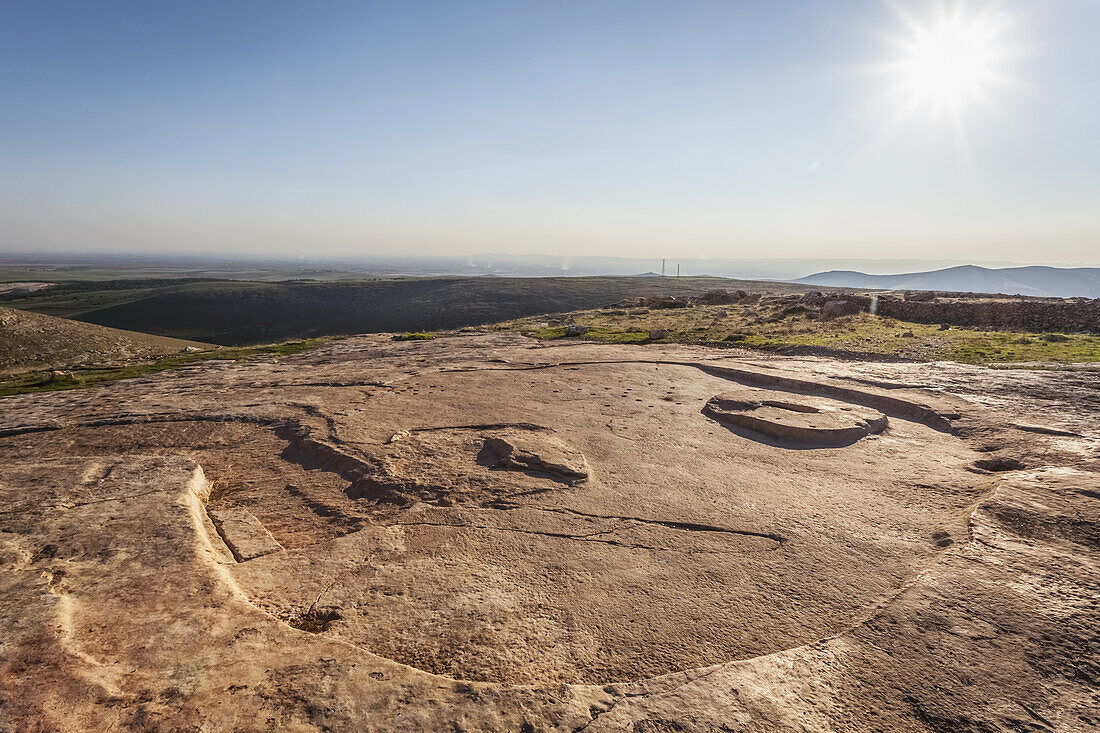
(852, 130)
(268, 267)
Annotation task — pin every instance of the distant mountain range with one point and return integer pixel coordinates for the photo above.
(1035, 280)
(47, 267)
(992, 277)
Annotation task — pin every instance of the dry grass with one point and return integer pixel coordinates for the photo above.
(50, 381)
(781, 327)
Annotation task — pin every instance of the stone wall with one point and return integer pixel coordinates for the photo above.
(1015, 314)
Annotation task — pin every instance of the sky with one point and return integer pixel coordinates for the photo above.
(703, 129)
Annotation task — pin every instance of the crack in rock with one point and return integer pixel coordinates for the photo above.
(669, 523)
(590, 537)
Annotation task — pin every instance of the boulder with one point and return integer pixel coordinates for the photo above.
(718, 297)
(533, 454)
(837, 308)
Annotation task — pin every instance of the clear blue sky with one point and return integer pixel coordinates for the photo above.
(720, 129)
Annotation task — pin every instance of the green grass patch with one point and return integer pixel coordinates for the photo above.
(414, 336)
(618, 337)
(547, 333)
(866, 333)
(752, 326)
(50, 381)
(296, 347)
(594, 333)
(981, 347)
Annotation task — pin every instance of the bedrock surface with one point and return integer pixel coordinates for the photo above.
(481, 533)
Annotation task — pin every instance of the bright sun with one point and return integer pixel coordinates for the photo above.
(952, 60)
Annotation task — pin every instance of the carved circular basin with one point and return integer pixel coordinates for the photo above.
(797, 419)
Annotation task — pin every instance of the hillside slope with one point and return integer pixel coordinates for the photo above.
(31, 341)
(1043, 281)
(242, 313)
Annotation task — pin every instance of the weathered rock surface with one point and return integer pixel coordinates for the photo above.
(696, 578)
(537, 455)
(243, 534)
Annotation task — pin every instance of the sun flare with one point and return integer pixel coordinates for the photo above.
(951, 60)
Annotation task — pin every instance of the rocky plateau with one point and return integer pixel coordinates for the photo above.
(487, 533)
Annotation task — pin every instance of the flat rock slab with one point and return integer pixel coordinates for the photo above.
(244, 535)
(803, 420)
(578, 523)
(700, 574)
(538, 454)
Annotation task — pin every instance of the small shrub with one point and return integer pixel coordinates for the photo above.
(315, 620)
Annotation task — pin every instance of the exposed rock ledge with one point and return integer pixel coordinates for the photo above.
(701, 579)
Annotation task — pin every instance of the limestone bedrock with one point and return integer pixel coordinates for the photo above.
(485, 533)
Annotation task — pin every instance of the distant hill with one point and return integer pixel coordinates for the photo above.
(1035, 280)
(31, 341)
